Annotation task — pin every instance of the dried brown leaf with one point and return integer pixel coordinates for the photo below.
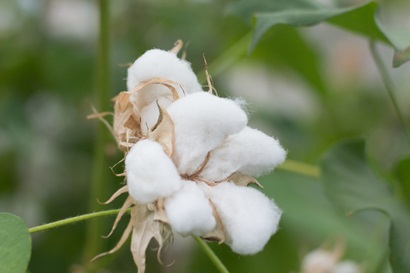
(163, 131)
(209, 79)
(159, 212)
(167, 83)
(128, 203)
(120, 243)
(132, 123)
(145, 227)
(123, 100)
(177, 47)
(244, 180)
(116, 194)
(100, 117)
(126, 125)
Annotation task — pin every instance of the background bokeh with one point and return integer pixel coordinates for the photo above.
(310, 87)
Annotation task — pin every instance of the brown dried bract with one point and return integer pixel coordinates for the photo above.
(244, 180)
(163, 131)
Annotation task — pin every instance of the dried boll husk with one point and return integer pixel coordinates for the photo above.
(346, 267)
(150, 172)
(189, 211)
(126, 124)
(320, 261)
(201, 122)
(150, 113)
(146, 223)
(249, 217)
(127, 115)
(325, 260)
(249, 152)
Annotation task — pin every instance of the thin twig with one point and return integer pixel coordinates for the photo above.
(211, 254)
(388, 83)
(74, 219)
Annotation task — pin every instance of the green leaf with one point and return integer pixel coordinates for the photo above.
(363, 19)
(351, 184)
(15, 244)
(305, 16)
(399, 38)
(312, 218)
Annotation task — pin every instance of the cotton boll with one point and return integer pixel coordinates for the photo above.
(189, 211)
(346, 267)
(248, 216)
(201, 122)
(250, 151)
(318, 261)
(156, 63)
(150, 172)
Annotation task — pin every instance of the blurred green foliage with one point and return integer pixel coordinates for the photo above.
(47, 82)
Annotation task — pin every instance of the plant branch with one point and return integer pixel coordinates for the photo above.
(209, 252)
(388, 83)
(74, 219)
(100, 173)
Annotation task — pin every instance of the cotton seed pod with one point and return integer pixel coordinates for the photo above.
(250, 152)
(188, 211)
(248, 216)
(156, 63)
(201, 122)
(319, 261)
(151, 174)
(346, 267)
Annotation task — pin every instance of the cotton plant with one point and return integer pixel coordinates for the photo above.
(189, 160)
(329, 261)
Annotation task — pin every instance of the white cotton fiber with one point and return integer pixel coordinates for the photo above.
(150, 172)
(249, 217)
(150, 113)
(202, 121)
(346, 267)
(250, 151)
(189, 212)
(318, 261)
(156, 63)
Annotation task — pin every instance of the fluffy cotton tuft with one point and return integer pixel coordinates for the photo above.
(249, 217)
(201, 122)
(250, 151)
(346, 267)
(156, 63)
(319, 261)
(189, 212)
(150, 172)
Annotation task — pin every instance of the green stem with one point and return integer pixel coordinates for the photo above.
(300, 168)
(72, 220)
(209, 252)
(388, 83)
(100, 172)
